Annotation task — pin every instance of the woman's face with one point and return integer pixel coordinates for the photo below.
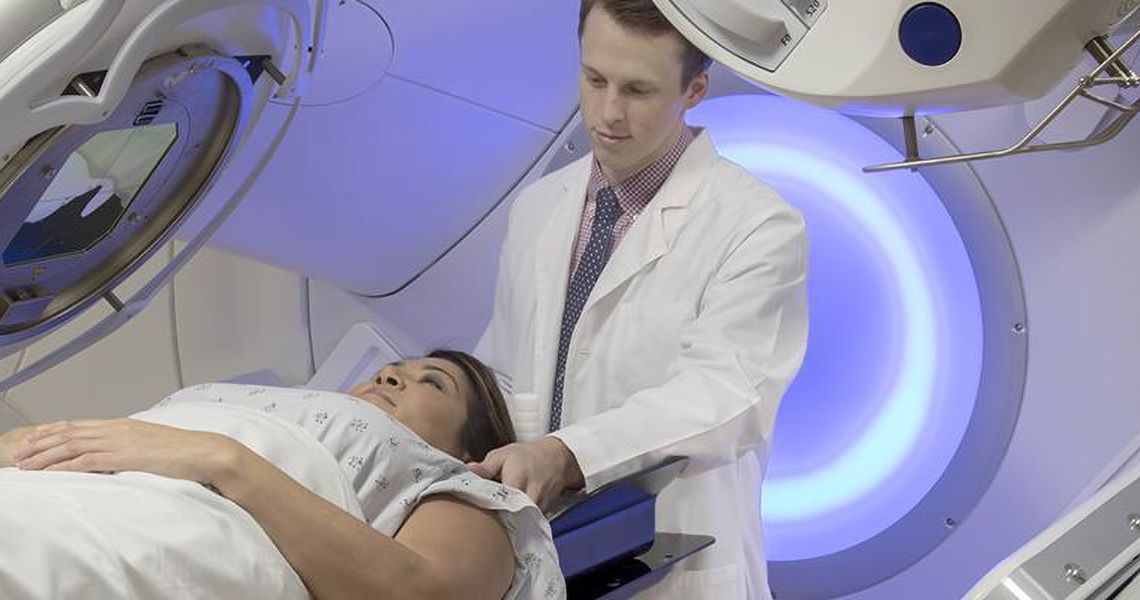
(428, 395)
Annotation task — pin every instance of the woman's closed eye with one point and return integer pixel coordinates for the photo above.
(434, 382)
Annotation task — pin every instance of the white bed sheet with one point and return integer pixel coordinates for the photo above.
(133, 535)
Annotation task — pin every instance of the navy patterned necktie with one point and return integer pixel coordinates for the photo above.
(606, 213)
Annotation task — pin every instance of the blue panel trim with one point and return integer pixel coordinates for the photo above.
(624, 533)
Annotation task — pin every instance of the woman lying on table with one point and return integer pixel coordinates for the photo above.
(401, 517)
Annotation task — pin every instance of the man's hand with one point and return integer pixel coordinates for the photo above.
(543, 469)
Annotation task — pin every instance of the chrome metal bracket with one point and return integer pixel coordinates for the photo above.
(1111, 70)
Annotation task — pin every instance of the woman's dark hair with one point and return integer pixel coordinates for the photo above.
(488, 422)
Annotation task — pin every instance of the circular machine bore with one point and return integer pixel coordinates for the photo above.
(888, 430)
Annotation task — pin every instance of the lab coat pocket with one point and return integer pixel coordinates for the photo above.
(647, 339)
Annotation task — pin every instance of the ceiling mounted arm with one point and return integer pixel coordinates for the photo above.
(1110, 70)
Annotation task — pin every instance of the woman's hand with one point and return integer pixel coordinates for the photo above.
(9, 442)
(126, 445)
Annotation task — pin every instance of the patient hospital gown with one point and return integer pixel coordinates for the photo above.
(384, 471)
(391, 469)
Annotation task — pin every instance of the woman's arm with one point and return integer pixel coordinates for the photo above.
(446, 549)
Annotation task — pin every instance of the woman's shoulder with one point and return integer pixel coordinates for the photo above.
(537, 574)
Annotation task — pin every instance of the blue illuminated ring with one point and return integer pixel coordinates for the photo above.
(907, 431)
(833, 528)
(883, 446)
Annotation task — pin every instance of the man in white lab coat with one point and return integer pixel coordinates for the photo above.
(650, 303)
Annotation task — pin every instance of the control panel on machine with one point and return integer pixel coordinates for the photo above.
(762, 31)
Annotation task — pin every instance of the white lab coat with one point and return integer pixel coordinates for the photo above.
(692, 333)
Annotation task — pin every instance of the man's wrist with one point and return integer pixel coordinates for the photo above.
(571, 471)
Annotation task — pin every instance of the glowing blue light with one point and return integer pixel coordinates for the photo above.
(884, 444)
(872, 421)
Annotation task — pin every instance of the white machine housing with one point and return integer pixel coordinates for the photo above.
(847, 55)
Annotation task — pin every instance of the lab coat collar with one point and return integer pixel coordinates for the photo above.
(647, 240)
(653, 232)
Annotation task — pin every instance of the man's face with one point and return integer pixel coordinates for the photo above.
(633, 103)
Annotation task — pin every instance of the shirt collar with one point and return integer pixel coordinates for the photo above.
(636, 191)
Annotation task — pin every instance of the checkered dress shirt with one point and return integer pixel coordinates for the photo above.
(633, 195)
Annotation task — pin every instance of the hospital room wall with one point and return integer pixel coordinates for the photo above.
(224, 316)
(1072, 219)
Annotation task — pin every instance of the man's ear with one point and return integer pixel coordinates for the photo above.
(697, 90)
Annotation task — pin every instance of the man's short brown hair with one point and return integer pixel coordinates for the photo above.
(644, 17)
